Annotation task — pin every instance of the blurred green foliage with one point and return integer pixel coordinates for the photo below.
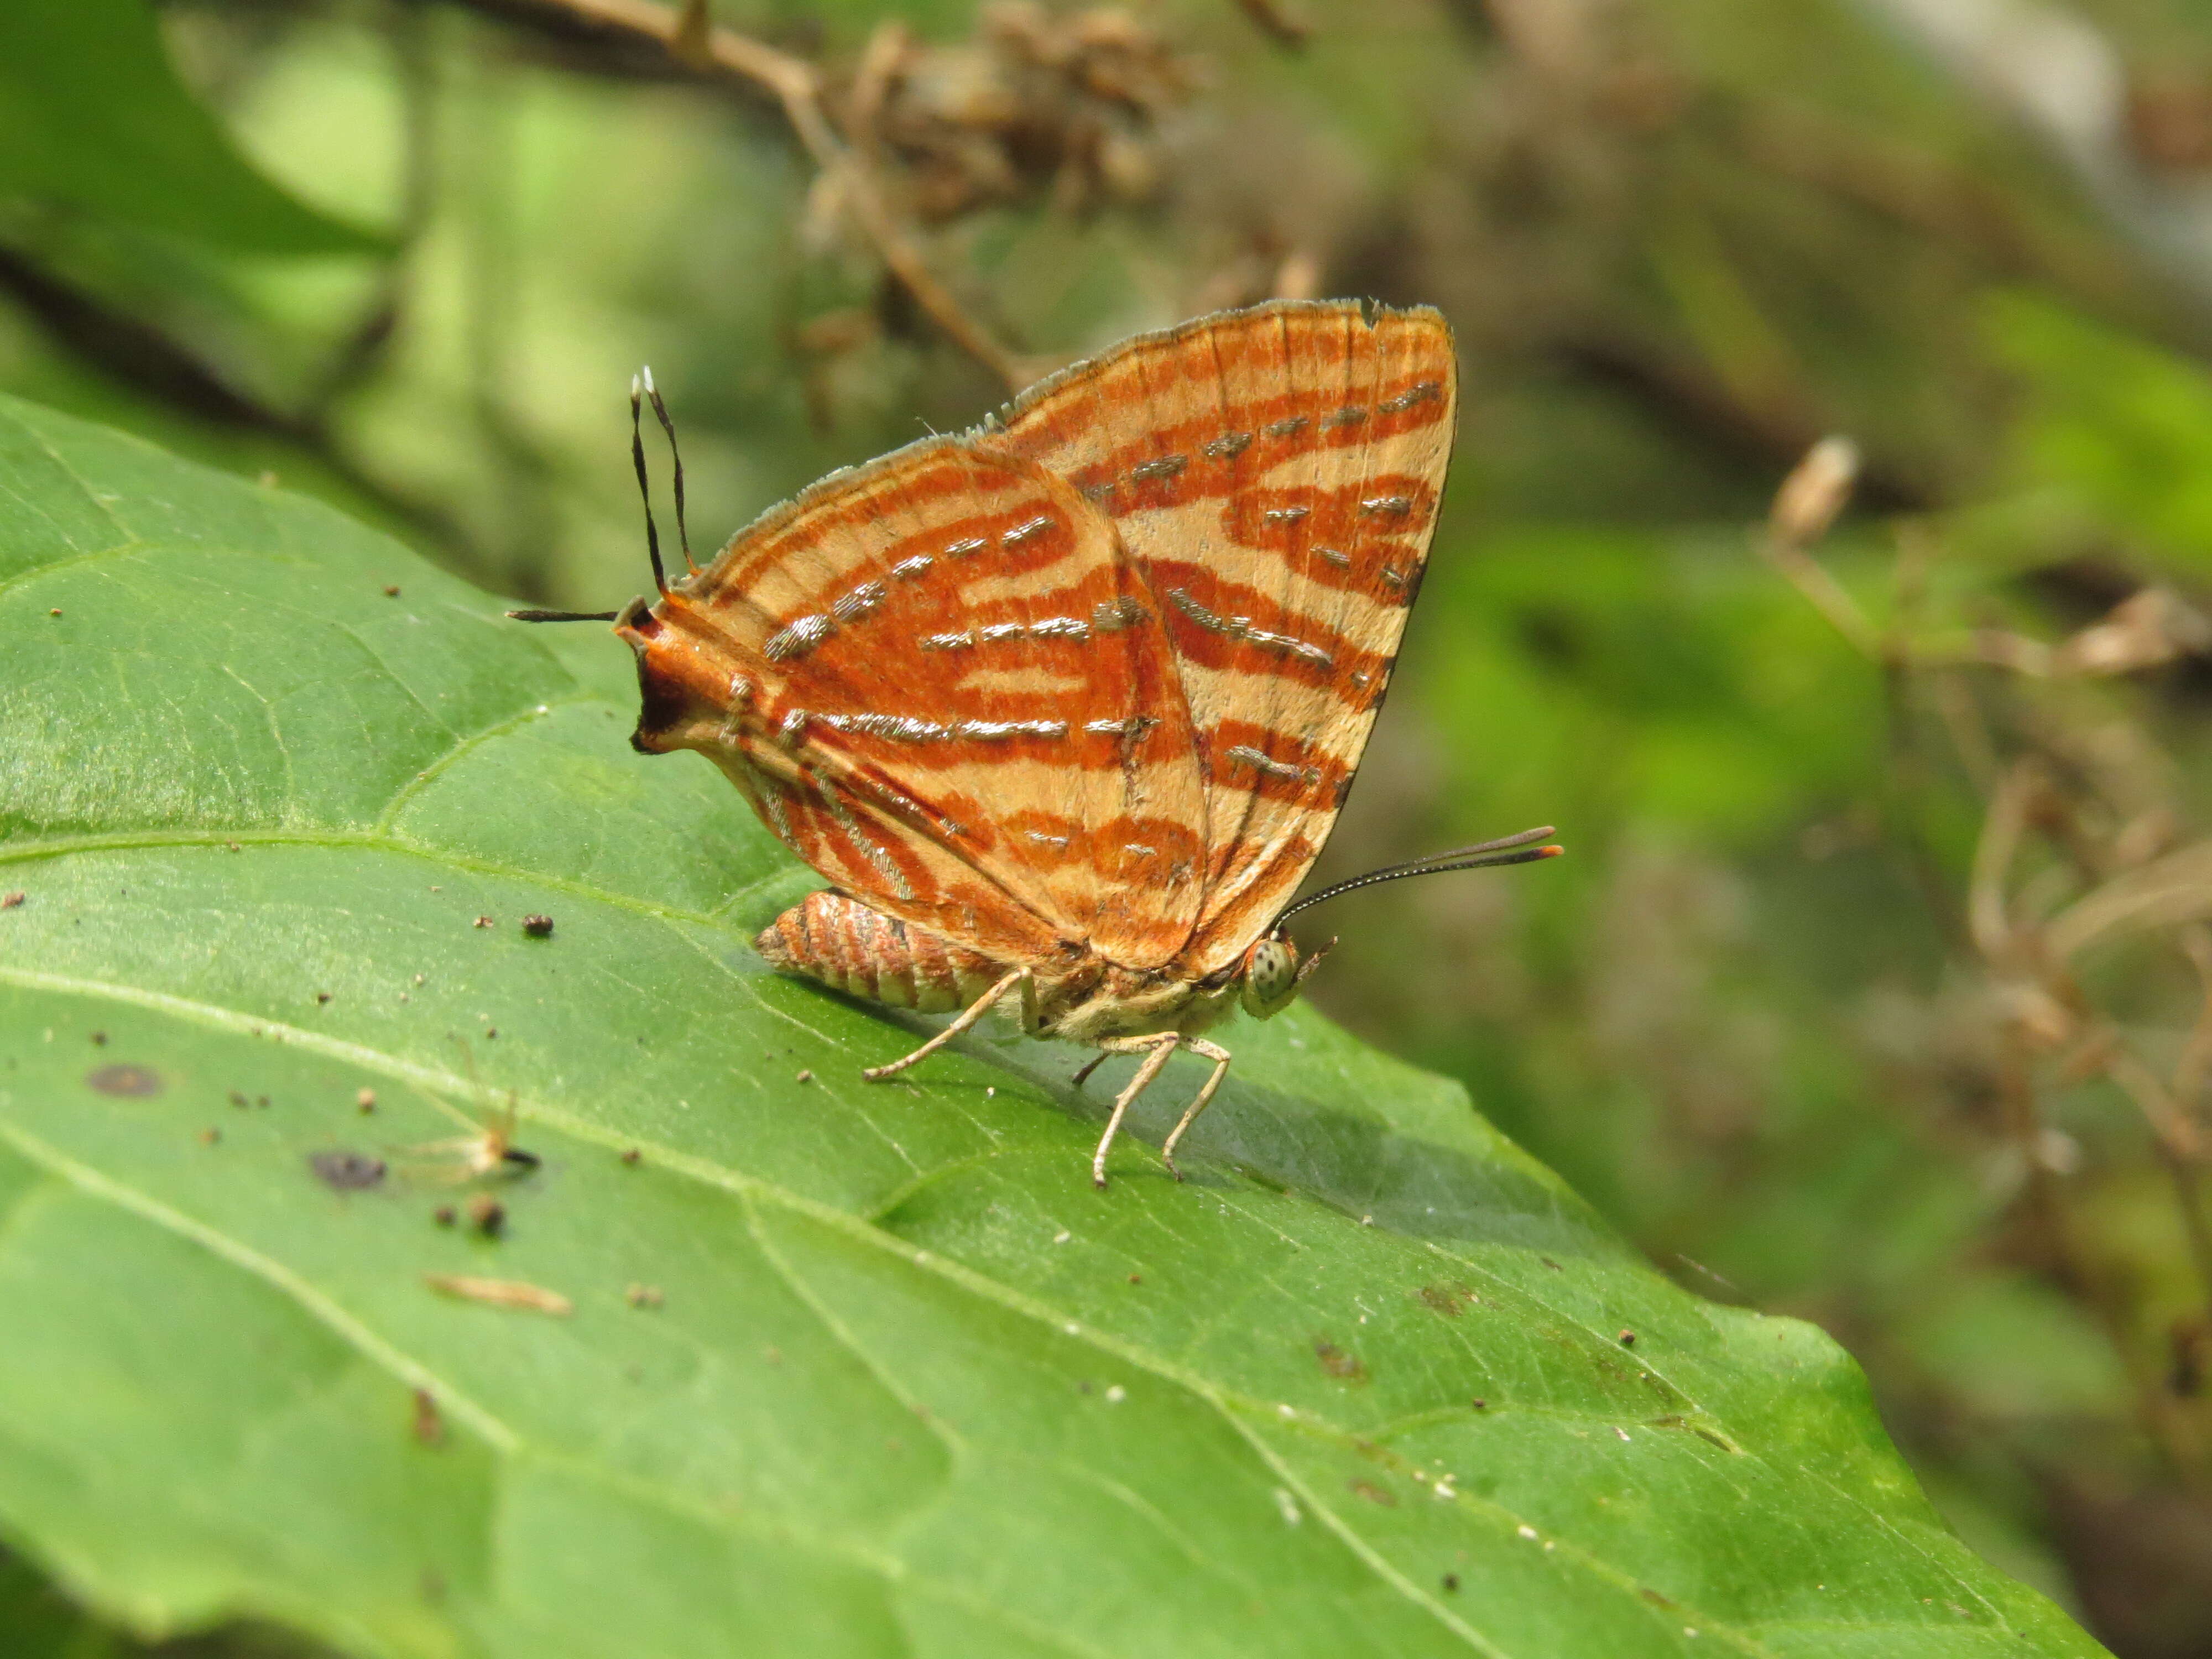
(1754, 1016)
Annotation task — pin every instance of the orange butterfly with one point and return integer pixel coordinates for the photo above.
(1064, 707)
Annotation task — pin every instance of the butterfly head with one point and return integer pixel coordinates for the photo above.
(1272, 973)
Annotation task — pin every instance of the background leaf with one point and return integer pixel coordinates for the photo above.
(92, 116)
(851, 1369)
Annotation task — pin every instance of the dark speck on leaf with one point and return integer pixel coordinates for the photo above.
(1479, 1404)
(322, 996)
(132, 1082)
(11, 901)
(537, 926)
(346, 1172)
(429, 1426)
(1337, 1363)
(443, 1215)
(1451, 1582)
(487, 1215)
(100, 1039)
(1448, 1299)
(630, 1155)
(390, 591)
(1374, 1494)
(1628, 1338)
(238, 1098)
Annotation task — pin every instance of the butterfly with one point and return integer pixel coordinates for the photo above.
(1064, 707)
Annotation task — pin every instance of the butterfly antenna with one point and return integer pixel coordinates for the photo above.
(660, 410)
(564, 616)
(644, 484)
(1483, 855)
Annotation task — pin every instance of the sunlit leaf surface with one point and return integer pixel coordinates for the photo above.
(850, 1368)
(92, 116)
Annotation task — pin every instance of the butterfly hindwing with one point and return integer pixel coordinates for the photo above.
(942, 681)
(1275, 474)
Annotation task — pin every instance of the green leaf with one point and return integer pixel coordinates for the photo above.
(2118, 430)
(93, 116)
(850, 1368)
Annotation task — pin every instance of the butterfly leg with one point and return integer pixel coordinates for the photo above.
(1020, 977)
(1220, 1056)
(1091, 1065)
(1161, 1045)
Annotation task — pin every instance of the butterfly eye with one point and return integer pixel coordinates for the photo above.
(1271, 977)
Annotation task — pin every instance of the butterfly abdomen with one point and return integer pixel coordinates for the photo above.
(865, 953)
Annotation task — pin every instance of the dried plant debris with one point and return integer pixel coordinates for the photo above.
(1035, 105)
(501, 1293)
(125, 1082)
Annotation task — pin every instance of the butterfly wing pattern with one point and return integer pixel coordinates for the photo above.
(1064, 707)
(1275, 473)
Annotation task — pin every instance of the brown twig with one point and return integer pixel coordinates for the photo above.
(795, 85)
(1686, 392)
(1277, 24)
(2176, 1135)
(1825, 594)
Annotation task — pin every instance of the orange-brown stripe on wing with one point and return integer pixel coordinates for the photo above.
(1279, 469)
(959, 686)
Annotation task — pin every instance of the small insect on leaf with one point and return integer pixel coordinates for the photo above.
(501, 1293)
(488, 1151)
(537, 926)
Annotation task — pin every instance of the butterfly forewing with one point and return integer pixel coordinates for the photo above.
(942, 682)
(1275, 474)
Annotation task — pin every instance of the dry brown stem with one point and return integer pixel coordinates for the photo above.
(796, 86)
(1810, 577)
